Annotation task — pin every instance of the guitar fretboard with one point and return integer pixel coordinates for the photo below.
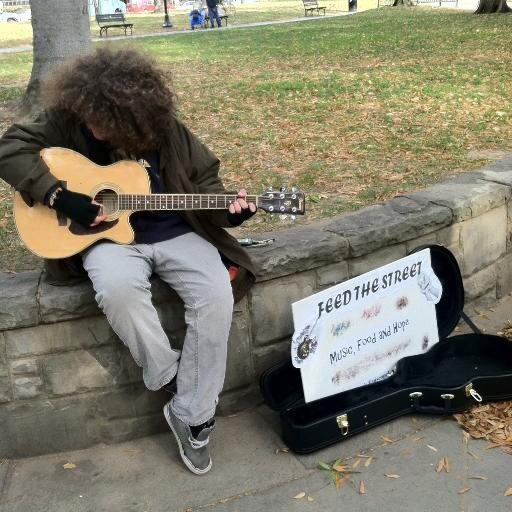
(178, 201)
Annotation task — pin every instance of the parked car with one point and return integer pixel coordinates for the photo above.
(17, 16)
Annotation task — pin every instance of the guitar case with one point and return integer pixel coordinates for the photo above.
(454, 374)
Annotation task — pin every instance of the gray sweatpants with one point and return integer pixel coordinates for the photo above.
(193, 268)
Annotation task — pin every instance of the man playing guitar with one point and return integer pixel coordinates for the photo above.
(111, 106)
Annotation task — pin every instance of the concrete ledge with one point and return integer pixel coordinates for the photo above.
(66, 375)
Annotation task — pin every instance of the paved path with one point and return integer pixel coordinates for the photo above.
(251, 474)
(173, 32)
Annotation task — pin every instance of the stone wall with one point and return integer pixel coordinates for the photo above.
(67, 382)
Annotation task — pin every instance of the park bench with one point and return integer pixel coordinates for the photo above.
(312, 5)
(206, 22)
(106, 21)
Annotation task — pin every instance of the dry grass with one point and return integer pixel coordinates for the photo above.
(353, 110)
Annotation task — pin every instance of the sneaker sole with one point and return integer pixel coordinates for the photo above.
(184, 458)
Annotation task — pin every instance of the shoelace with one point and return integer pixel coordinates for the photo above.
(195, 444)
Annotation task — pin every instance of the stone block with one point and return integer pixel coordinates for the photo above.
(5, 381)
(466, 196)
(18, 300)
(509, 226)
(80, 371)
(504, 276)
(377, 259)
(270, 305)
(332, 274)
(449, 236)
(27, 387)
(430, 239)
(58, 303)
(24, 367)
(480, 283)
(46, 339)
(483, 239)
(499, 171)
(298, 249)
(399, 220)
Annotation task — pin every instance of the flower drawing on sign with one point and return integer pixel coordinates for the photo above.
(371, 312)
(303, 346)
(430, 286)
(339, 328)
(402, 303)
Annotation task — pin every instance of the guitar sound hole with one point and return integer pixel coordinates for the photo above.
(107, 198)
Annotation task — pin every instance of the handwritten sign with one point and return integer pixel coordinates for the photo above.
(354, 333)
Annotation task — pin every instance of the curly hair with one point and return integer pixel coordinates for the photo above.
(122, 93)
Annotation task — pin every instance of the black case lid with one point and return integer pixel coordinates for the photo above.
(449, 308)
(281, 384)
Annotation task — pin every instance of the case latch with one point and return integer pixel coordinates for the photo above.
(342, 421)
(472, 392)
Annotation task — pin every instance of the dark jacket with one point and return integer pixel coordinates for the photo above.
(186, 166)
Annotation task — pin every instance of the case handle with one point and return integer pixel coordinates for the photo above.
(431, 409)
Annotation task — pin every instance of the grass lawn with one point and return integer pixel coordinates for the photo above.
(353, 110)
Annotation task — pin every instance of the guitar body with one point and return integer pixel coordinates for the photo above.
(50, 235)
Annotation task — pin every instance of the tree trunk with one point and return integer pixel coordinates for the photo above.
(493, 6)
(61, 30)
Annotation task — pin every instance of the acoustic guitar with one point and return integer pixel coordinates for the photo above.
(121, 188)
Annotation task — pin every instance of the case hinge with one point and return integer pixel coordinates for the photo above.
(342, 421)
(472, 392)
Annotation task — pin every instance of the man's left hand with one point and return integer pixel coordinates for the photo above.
(240, 210)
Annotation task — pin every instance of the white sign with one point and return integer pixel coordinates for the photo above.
(354, 333)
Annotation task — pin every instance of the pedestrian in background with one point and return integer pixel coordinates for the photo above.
(213, 12)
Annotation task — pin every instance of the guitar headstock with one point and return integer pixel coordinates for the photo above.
(283, 202)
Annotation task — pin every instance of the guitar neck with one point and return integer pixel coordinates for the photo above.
(136, 202)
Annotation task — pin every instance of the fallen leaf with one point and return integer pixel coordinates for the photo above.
(362, 490)
(368, 462)
(299, 496)
(478, 478)
(282, 450)
(440, 466)
(391, 476)
(356, 463)
(508, 492)
(432, 447)
(466, 489)
(69, 465)
(310, 498)
(388, 440)
(447, 466)
(323, 465)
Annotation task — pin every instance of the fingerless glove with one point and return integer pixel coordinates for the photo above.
(235, 219)
(77, 207)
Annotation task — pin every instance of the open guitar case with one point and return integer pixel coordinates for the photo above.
(457, 372)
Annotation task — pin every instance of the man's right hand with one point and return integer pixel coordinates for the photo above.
(79, 207)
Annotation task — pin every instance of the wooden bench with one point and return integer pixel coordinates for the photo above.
(206, 21)
(106, 21)
(312, 5)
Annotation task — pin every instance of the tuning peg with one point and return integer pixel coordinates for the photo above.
(293, 217)
(282, 188)
(294, 190)
(283, 216)
(270, 189)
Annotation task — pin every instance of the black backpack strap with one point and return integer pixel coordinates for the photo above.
(468, 320)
